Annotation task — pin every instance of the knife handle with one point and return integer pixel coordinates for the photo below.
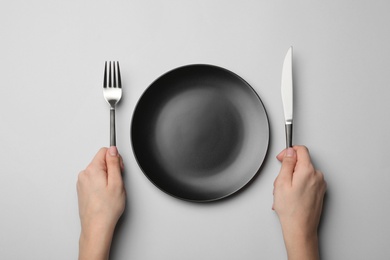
(289, 134)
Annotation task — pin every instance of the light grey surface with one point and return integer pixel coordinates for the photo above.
(51, 50)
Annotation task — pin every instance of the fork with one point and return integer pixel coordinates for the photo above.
(112, 92)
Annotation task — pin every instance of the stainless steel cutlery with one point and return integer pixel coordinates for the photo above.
(112, 91)
(287, 96)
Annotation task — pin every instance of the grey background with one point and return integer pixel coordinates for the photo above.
(54, 119)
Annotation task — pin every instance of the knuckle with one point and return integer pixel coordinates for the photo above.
(89, 168)
(302, 148)
(276, 181)
(81, 174)
(279, 182)
(305, 153)
(305, 148)
(81, 177)
(103, 149)
(325, 185)
(311, 168)
(320, 175)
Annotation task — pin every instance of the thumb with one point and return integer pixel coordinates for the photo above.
(113, 164)
(289, 161)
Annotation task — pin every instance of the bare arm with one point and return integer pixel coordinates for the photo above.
(101, 197)
(298, 197)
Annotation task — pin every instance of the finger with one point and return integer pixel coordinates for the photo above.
(113, 165)
(288, 164)
(98, 163)
(302, 151)
(281, 155)
(303, 158)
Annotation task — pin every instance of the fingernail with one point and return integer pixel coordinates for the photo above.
(289, 152)
(113, 151)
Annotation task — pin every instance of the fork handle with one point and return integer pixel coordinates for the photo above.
(112, 127)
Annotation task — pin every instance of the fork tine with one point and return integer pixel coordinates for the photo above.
(105, 75)
(119, 75)
(114, 74)
(109, 76)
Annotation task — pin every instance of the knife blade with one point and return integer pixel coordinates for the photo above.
(287, 96)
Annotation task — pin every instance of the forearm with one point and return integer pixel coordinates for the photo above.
(302, 247)
(95, 245)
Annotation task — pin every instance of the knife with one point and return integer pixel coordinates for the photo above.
(287, 96)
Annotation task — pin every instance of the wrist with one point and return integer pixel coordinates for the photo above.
(95, 243)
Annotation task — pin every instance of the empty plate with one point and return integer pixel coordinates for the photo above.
(200, 133)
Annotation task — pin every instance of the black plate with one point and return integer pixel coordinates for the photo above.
(200, 133)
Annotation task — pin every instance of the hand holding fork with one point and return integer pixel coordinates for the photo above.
(112, 91)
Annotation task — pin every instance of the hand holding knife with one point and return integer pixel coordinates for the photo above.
(287, 96)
